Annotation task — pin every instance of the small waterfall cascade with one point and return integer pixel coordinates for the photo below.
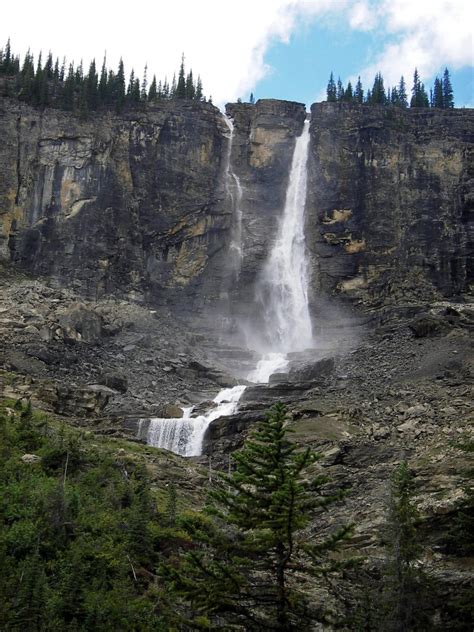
(234, 193)
(185, 435)
(282, 292)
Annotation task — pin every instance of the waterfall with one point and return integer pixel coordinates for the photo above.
(282, 292)
(234, 193)
(185, 435)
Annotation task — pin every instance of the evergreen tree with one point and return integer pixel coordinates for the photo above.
(92, 87)
(118, 90)
(103, 93)
(448, 97)
(153, 91)
(173, 87)
(251, 98)
(198, 95)
(339, 90)
(180, 91)
(331, 91)
(405, 583)
(241, 571)
(190, 89)
(438, 101)
(348, 93)
(378, 96)
(419, 97)
(359, 92)
(144, 86)
(402, 93)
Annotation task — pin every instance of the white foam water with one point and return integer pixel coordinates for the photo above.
(283, 287)
(185, 435)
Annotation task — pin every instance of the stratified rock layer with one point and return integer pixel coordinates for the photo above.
(391, 202)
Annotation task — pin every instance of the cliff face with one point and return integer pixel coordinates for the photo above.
(122, 204)
(391, 202)
(144, 204)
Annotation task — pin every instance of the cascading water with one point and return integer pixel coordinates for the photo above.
(234, 193)
(283, 293)
(184, 436)
(283, 287)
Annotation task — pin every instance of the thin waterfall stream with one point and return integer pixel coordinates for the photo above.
(282, 292)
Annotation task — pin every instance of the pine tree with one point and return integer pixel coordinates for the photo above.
(198, 93)
(339, 90)
(405, 583)
(438, 101)
(448, 97)
(402, 93)
(241, 569)
(103, 84)
(251, 98)
(119, 87)
(190, 89)
(153, 91)
(180, 92)
(144, 86)
(419, 97)
(331, 91)
(378, 96)
(359, 92)
(348, 93)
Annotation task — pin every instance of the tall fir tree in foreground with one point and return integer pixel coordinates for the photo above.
(406, 592)
(241, 573)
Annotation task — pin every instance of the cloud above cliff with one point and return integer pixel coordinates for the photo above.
(228, 43)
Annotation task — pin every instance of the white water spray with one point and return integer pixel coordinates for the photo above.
(283, 294)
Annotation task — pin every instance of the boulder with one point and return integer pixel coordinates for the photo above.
(80, 323)
(115, 381)
(429, 326)
(29, 459)
(313, 371)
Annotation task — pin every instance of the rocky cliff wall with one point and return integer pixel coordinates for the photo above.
(117, 204)
(138, 204)
(391, 202)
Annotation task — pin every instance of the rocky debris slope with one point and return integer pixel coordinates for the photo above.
(106, 357)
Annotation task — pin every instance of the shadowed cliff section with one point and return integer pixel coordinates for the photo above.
(116, 204)
(391, 203)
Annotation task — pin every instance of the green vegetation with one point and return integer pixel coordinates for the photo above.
(54, 84)
(88, 542)
(251, 550)
(80, 534)
(441, 95)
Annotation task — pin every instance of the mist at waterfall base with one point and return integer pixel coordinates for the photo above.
(281, 295)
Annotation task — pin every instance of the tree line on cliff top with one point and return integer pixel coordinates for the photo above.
(440, 96)
(51, 83)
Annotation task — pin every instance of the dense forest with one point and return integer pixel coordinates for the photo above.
(440, 96)
(51, 83)
(88, 542)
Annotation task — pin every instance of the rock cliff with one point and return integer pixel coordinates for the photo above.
(138, 204)
(391, 202)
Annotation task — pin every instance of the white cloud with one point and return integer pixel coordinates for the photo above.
(427, 34)
(226, 42)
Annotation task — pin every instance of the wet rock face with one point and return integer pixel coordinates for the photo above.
(391, 200)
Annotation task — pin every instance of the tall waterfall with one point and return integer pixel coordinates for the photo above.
(234, 194)
(282, 292)
(283, 287)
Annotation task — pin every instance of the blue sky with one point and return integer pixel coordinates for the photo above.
(275, 48)
(299, 69)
